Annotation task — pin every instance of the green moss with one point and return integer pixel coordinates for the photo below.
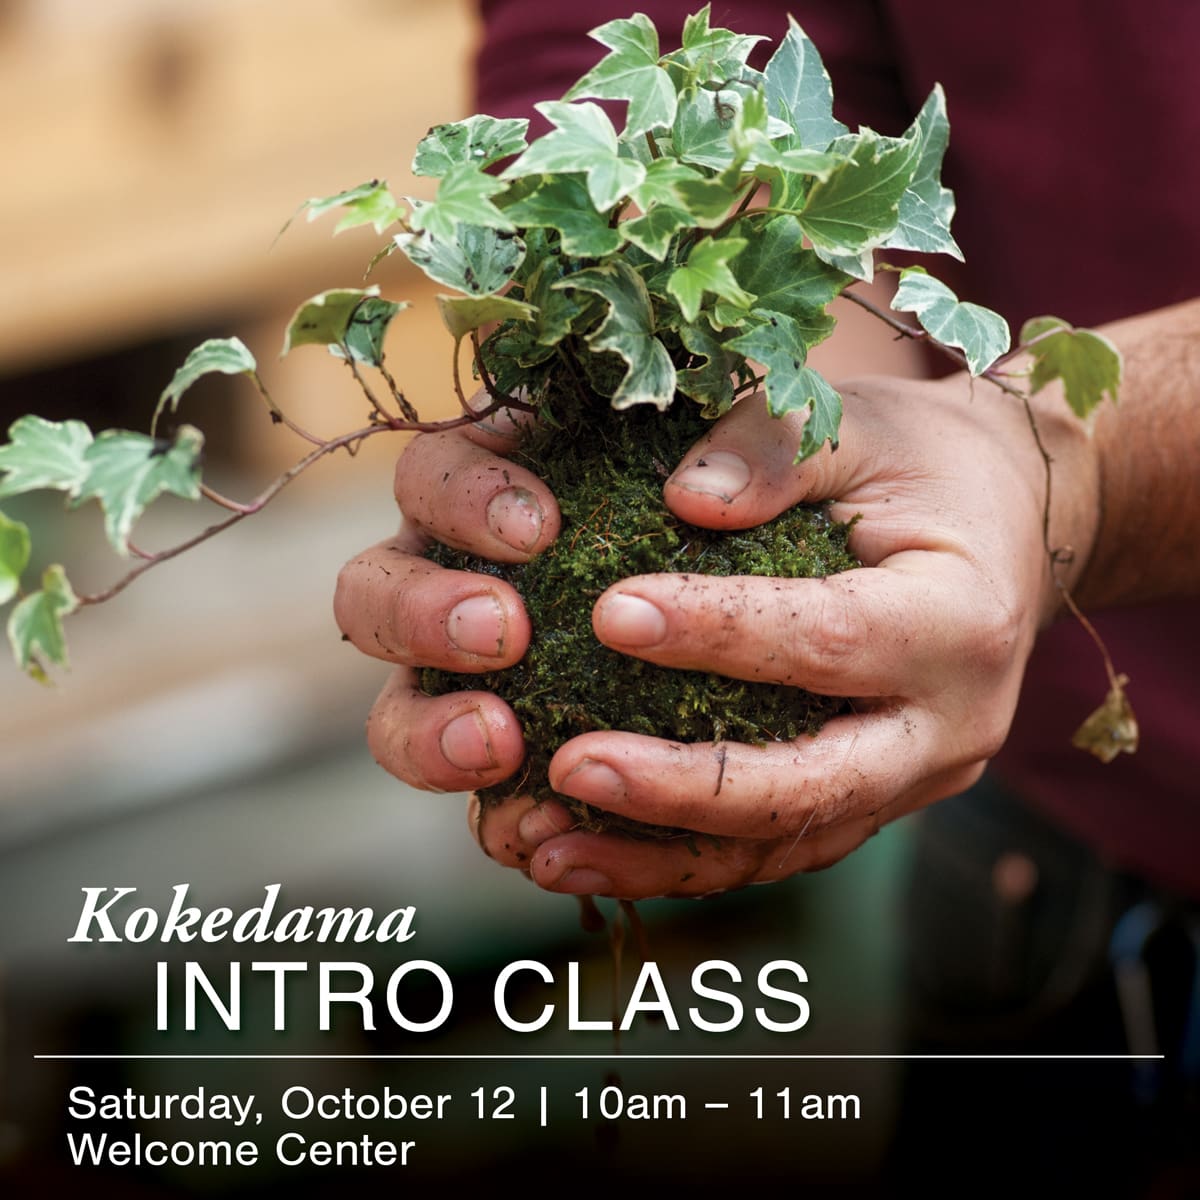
(607, 469)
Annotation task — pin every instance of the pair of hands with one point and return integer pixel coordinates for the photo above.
(930, 636)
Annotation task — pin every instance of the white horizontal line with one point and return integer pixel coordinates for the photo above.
(594, 1057)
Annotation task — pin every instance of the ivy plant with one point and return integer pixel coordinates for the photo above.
(695, 240)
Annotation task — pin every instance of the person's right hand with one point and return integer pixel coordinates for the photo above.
(393, 603)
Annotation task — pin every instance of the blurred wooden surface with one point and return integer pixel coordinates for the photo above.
(153, 148)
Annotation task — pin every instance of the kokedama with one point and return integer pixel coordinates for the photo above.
(621, 289)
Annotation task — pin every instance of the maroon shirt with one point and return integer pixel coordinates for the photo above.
(1075, 158)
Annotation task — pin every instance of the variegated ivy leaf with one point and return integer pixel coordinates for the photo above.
(367, 329)
(799, 91)
(927, 207)
(628, 330)
(857, 207)
(786, 277)
(714, 55)
(583, 141)
(710, 383)
(14, 556)
(44, 454)
(226, 356)
(779, 344)
(368, 204)
(703, 123)
(477, 260)
(654, 230)
(35, 629)
(707, 271)
(562, 202)
(630, 71)
(1088, 364)
(461, 314)
(556, 312)
(323, 319)
(979, 333)
(480, 140)
(127, 471)
(463, 198)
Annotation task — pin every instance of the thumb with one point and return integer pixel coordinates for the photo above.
(744, 472)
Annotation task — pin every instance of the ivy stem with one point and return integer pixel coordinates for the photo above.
(488, 382)
(279, 416)
(402, 401)
(382, 413)
(239, 512)
(216, 497)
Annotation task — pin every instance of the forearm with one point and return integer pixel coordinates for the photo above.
(1147, 448)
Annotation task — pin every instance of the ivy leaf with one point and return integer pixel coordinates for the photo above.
(477, 260)
(630, 71)
(707, 270)
(710, 383)
(555, 311)
(1087, 362)
(463, 197)
(653, 231)
(368, 204)
(628, 330)
(323, 319)
(562, 202)
(44, 454)
(127, 471)
(583, 141)
(857, 266)
(779, 344)
(799, 91)
(857, 207)
(367, 329)
(713, 54)
(703, 124)
(927, 207)
(227, 356)
(1112, 729)
(461, 314)
(480, 140)
(35, 629)
(787, 277)
(14, 556)
(979, 333)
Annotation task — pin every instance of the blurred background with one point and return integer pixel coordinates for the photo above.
(209, 730)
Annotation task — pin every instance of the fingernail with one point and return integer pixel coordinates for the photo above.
(542, 822)
(630, 621)
(515, 517)
(583, 881)
(465, 743)
(476, 625)
(594, 782)
(719, 473)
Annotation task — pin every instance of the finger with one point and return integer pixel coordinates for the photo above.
(474, 500)
(394, 604)
(857, 766)
(511, 830)
(501, 431)
(452, 743)
(743, 472)
(610, 864)
(867, 632)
